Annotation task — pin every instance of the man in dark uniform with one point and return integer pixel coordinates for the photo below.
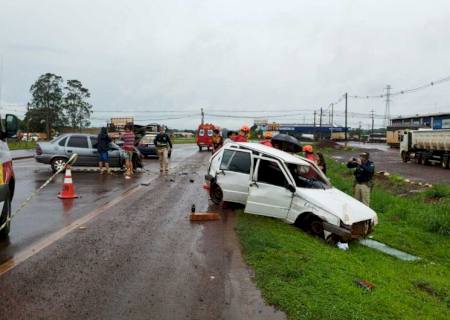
(363, 177)
(162, 143)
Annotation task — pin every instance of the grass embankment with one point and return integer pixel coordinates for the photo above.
(183, 140)
(309, 279)
(17, 145)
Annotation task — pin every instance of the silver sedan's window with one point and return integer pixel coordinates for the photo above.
(78, 142)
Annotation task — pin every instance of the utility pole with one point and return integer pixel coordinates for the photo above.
(359, 131)
(345, 128)
(203, 116)
(314, 132)
(387, 112)
(372, 115)
(28, 122)
(320, 125)
(332, 114)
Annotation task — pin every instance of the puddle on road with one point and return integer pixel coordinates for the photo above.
(388, 250)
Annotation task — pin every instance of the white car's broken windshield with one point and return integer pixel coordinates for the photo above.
(307, 176)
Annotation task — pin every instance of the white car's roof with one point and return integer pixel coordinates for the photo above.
(270, 151)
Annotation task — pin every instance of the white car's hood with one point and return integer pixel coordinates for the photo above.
(338, 203)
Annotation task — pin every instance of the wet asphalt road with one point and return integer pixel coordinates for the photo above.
(46, 213)
(139, 258)
(388, 159)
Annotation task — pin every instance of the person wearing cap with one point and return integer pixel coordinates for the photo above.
(267, 137)
(162, 142)
(364, 170)
(309, 153)
(217, 140)
(243, 134)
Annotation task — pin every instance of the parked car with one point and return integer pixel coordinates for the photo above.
(274, 183)
(146, 146)
(58, 151)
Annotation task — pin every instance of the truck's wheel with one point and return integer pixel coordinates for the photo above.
(200, 148)
(6, 214)
(445, 163)
(405, 156)
(419, 159)
(58, 163)
(216, 194)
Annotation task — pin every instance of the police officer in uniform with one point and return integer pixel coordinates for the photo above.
(162, 143)
(363, 177)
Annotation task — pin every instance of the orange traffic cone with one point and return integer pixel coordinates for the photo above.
(68, 190)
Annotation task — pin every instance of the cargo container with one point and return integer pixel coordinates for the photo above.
(426, 146)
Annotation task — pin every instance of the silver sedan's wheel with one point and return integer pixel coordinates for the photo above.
(58, 164)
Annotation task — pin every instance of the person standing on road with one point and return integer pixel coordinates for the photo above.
(162, 143)
(267, 137)
(309, 153)
(321, 162)
(363, 177)
(128, 147)
(243, 134)
(217, 141)
(103, 141)
(231, 136)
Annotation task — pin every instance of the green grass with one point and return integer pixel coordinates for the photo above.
(183, 140)
(17, 145)
(309, 279)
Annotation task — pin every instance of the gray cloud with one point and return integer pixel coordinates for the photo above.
(230, 54)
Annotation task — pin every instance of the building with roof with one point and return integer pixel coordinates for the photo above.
(431, 120)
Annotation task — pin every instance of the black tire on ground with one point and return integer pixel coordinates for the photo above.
(200, 148)
(216, 194)
(170, 154)
(57, 163)
(315, 226)
(5, 214)
(209, 149)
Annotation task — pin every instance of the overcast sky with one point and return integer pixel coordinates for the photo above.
(229, 55)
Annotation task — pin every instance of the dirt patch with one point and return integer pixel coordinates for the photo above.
(427, 287)
(328, 144)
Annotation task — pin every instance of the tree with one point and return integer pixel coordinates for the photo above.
(46, 103)
(77, 109)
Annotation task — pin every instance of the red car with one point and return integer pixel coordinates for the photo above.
(204, 136)
(7, 181)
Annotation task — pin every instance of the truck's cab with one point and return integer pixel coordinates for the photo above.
(8, 129)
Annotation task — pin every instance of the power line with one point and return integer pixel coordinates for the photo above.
(405, 91)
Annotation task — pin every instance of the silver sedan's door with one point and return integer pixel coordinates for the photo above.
(79, 144)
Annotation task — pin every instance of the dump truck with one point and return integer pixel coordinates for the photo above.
(426, 146)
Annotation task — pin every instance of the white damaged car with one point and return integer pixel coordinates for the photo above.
(277, 184)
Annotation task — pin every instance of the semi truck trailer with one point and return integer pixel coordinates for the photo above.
(426, 147)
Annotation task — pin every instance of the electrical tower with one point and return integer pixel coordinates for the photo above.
(387, 112)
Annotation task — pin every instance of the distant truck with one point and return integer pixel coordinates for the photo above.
(426, 146)
(204, 136)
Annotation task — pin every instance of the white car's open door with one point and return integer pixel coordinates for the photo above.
(234, 174)
(270, 191)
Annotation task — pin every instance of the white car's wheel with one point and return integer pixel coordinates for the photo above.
(216, 194)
